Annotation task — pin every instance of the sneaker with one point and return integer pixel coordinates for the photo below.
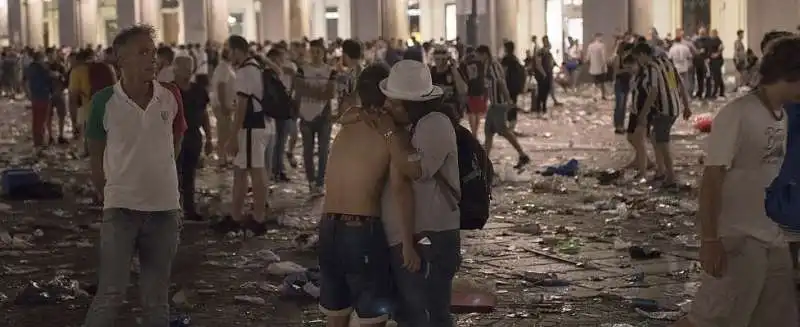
(62, 140)
(282, 178)
(523, 161)
(315, 191)
(226, 225)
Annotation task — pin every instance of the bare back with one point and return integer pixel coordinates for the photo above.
(357, 169)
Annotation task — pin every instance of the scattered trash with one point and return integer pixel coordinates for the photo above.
(301, 284)
(642, 253)
(250, 299)
(661, 315)
(183, 320)
(57, 290)
(285, 268)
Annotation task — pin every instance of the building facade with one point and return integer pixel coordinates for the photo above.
(80, 22)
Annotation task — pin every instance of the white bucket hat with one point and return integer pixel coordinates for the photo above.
(410, 80)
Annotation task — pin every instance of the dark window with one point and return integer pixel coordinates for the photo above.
(696, 14)
(170, 4)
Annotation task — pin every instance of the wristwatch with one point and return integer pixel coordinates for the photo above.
(388, 135)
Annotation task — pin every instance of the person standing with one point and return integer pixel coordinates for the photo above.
(748, 274)
(248, 144)
(165, 56)
(681, 56)
(195, 103)
(740, 59)
(314, 85)
(598, 63)
(39, 86)
(474, 72)
(715, 62)
(701, 63)
(134, 130)
(59, 75)
(223, 102)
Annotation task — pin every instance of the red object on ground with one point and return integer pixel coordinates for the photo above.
(703, 124)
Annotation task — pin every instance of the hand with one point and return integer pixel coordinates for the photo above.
(411, 260)
(713, 258)
(380, 121)
(209, 147)
(233, 147)
(687, 113)
(98, 198)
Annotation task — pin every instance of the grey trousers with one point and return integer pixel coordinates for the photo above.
(154, 235)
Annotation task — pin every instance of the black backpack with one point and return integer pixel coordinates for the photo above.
(475, 173)
(275, 100)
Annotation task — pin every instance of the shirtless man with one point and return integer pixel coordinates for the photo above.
(354, 254)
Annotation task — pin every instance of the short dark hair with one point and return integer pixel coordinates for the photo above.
(126, 35)
(318, 43)
(780, 61)
(166, 53)
(352, 49)
(740, 32)
(509, 47)
(771, 36)
(274, 53)
(369, 91)
(642, 49)
(484, 49)
(237, 42)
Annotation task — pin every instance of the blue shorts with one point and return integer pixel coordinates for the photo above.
(355, 268)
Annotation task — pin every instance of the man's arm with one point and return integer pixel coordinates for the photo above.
(96, 138)
(710, 201)
(404, 197)
(719, 156)
(461, 84)
(423, 163)
(179, 122)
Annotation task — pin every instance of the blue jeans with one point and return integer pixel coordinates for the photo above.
(620, 104)
(354, 267)
(283, 128)
(316, 132)
(425, 295)
(124, 232)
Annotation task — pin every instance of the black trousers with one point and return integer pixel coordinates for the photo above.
(703, 82)
(544, 85)
(188, 160)
(715, 65)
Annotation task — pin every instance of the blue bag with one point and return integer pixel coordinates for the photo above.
(782, 198)
(15, 178)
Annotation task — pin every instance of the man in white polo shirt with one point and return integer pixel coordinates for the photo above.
(134, 132)
(248, 143)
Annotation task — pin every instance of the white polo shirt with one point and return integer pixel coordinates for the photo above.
(139, 160)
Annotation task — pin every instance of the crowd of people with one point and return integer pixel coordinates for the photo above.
(389, 240)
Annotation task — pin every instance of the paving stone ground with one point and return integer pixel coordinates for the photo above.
(575, 240)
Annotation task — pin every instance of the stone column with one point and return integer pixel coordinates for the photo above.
(299, 19)
(68, 23)
(127, 13)
(394, 17)
(35, 28)
(195, 20)
(641, 16)
(505, 22)
(365, 19)
(88, 11)
(217, 14)
(15, 26)
(609, 17)
(149, 12)
(275, 20)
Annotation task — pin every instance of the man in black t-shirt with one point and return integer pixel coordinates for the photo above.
(702, 44)
(59, 74)
(445, 75)
(515, 79)
(474, 73)
(715, 62)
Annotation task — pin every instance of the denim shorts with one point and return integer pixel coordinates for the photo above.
(662, 128)
(424, 296)
(355, 268)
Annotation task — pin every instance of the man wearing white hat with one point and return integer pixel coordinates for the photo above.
(424, 299)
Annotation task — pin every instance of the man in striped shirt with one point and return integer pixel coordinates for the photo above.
(499, 104)
(658, 98)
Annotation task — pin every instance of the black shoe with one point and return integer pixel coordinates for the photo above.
(62, 140)
(282, 178)
(522, 162)
(226, 225)
(292, 160)
(257, 228)
(193, 217)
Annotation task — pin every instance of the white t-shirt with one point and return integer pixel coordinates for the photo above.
(248, 82)
(598, 63)
(223, 73)
(681, 56)
(751, 144)
(317, 76)
(166, 75)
